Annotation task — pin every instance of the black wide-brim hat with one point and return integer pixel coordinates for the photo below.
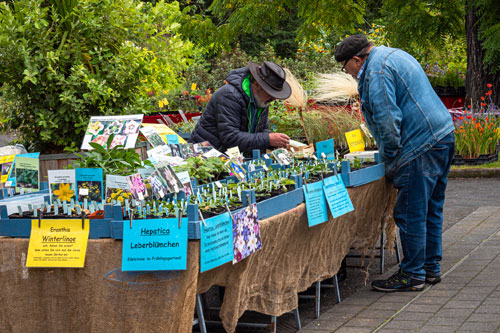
(272, 78)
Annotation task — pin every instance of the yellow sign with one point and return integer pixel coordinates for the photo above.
(163, 130)
(355, 141)
(233, 153)
(58, 243)
(5, 166)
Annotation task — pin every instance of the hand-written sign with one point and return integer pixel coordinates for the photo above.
(327, 148)
(216, 242)
(315, 203)
(337, 196)
(58, 243)
(154, 245)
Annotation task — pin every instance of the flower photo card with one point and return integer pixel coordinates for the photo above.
(62, 185)
(125, 130)
(117, 189)
(137, 187)
(158, 185)
(246, 233)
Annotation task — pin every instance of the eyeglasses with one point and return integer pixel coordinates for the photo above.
(345, 63)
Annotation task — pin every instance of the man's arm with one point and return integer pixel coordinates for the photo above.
(386, 114)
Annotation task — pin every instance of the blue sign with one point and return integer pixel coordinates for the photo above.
(172, 139)
(154, 245)
(216, 242)
(315, 203)
(337, 196)
(327, 148)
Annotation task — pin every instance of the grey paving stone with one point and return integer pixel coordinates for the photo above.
(324, 325)
(376, 314)
(488, 309)
(469, 296)
(334, 316)
(454, 312)
(478, 327)
(461, 304)
(397, 297)
(421, 316)
(444, 285)
(353, 330)
(404, 324)
(439, 320)
(422, 308)
(483, 282)
(359, 301)
(364, 322)
(491, 301)
(477, 262)
(346, 309)
(430, 300)
(487, 317)
(386, 306)
(313, 330)
(441, 293)
(434, 329)
(477, 289)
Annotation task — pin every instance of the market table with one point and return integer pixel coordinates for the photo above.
(294, 256)
(100, 297)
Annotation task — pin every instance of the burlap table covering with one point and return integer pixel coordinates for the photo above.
(295, 256)
(97, 298)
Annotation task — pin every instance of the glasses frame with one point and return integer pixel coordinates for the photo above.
(345, 63)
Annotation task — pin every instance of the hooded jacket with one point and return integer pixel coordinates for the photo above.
(225, 121)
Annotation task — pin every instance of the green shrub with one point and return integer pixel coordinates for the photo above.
(65, 60)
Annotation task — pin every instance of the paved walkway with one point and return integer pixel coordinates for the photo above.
(466, 300)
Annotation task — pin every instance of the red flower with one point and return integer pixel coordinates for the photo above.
(461, 118)
(459, 100)
(489, 92)
(482, 98)
(489, 85)
(469, 106)
(469, 116)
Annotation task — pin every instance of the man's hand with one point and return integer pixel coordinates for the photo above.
(278, 140)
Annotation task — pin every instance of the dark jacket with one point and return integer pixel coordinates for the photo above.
(224, 123)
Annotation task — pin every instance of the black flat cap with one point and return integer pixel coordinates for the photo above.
(350, 46)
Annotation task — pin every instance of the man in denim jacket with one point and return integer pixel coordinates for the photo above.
(414, 133)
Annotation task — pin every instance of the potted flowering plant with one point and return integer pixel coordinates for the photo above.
(477, 133)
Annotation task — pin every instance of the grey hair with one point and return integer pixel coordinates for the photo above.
(364, 50)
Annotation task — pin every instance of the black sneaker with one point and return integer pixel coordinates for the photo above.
(398, 282)
(432, 278)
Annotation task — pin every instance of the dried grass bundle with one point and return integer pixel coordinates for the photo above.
(335, 88)
(298, 98)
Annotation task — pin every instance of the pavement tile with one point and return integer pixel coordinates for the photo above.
(486, 317)
(422, 316)
(434, 329)
(491, 300)
(359, 301)
(376, 314)
(313, 330)
(364, 322)
(488, 309)
(454, 312)
(404, 324)
(324, 325)
(346, 309)
(397, 297)
(444, 285)
(353, 330)
(483, 282)
(422, 308)
(386, 306)
(478, 327)
(461, 304)
(469, 296)
(430, 300)
(477, 289)
(441, 293)
(439, 320)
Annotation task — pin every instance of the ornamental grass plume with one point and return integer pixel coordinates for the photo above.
(298, 98)
(334, 88)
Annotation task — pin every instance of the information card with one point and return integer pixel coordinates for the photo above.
(337, 196)
(154, 245)
(325, 149)
(58, 243)
(315, 203)
(216, 242)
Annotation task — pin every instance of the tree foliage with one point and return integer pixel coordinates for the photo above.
(65, 60)
(488, 15)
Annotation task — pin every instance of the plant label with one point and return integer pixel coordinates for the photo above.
(83, 191)
(218, 184)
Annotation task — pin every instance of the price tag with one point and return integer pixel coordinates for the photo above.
(323, 155)
(8, 184)
(265, 167)
(218, 184)
(83, 191)
(140, 195)
(266, 156)
(314, 156)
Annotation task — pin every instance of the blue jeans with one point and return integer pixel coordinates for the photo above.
(418, 212)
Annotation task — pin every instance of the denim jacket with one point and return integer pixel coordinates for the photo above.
(401, 109)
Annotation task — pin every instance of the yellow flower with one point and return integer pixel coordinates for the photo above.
(64, 193)
(373, 25)
(376, 30)
(120, 199)
(113, 195)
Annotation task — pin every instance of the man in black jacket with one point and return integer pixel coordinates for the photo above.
(236, 115)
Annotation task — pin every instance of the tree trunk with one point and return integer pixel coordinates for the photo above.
(477, 76)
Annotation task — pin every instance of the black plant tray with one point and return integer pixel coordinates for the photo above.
(482, 159)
